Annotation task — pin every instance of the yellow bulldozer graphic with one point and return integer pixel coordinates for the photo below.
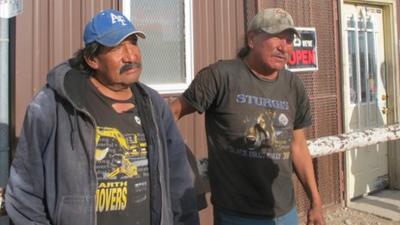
(131, 148)
(124, 166)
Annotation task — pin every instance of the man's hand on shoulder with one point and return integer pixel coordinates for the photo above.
(179, 108)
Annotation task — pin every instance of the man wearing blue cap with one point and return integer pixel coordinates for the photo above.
(255, 115)
(97, 146)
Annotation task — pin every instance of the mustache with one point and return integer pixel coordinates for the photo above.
(280, 54)
(129, 66)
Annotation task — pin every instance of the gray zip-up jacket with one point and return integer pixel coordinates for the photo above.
(53, 178)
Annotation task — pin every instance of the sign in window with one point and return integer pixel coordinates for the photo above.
(304, 56)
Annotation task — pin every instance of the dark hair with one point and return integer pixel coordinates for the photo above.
(90, 51)
(243, 52)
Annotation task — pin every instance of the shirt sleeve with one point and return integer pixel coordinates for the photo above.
(203, 90)
(303, 111)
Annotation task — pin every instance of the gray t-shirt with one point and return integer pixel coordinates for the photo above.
(249, 125)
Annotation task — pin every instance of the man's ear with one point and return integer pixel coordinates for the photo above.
(250, 37)
(92, 62)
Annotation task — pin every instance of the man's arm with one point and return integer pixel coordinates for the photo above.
(179, 108)
(303, 167)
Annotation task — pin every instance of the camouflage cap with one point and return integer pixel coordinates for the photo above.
(272, 21)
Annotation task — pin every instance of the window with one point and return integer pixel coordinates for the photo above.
(167, 51)
(4, 103)
(361, 40)
(4, 75)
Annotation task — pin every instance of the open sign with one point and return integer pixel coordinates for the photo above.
(304, 55)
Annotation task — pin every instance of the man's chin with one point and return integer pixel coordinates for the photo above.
(278, 67)
(129, 78)
(130, 82)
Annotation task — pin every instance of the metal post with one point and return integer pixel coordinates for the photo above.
(4, 110)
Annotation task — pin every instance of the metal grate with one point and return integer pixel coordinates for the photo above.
(323, 94)
(163, 50)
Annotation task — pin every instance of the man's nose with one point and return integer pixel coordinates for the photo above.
(130, 54)
(283, 43)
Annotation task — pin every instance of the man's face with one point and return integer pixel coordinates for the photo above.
(120, 66)
(272, 51)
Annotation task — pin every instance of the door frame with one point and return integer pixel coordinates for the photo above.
(391, 56)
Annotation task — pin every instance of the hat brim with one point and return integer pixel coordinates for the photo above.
(281, 29)
(115, 38)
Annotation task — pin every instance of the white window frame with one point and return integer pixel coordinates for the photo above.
(4, 72)
(171, 88)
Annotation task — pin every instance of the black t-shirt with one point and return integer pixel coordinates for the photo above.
(122, 196)
(249, 125)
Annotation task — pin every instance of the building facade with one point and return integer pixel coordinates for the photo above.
(355, 86)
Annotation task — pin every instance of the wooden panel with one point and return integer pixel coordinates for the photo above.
(228, 26)
(218, 34)
(26, 37)
(47, 33)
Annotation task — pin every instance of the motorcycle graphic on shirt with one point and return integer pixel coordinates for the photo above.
(269, 134)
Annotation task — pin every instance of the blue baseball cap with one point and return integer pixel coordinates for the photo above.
(109, 28)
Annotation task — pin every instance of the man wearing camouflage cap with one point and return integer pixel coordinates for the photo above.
(255, 116)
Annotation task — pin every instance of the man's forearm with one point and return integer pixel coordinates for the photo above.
(305, 172)
(303, 167)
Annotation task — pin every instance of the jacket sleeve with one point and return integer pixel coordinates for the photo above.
(25, 203)
(183, 195)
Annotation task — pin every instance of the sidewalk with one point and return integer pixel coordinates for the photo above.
(382, 208)
(349, 216)
(385, 203)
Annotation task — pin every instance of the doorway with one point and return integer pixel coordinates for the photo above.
(365, 95)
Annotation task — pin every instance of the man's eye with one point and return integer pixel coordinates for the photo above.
(290, 39)
(133, 41)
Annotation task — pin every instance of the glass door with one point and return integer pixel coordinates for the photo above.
(364, 93)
